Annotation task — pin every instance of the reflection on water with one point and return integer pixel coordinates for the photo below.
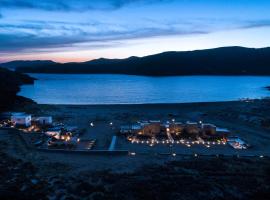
(126, 89)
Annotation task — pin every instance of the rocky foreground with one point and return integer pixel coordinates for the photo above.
(220, 178)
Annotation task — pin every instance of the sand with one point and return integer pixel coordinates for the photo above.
(244, 119)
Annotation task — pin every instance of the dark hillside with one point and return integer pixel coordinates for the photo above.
(10, 83)
(219, 61)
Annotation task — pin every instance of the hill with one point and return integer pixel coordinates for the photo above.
(26, 63)
(10, 83)
(219, 61)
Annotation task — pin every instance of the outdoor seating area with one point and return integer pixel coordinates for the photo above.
(173, 132)
(50, 134)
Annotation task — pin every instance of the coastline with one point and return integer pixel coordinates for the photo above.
(248, 118)
(243, 118)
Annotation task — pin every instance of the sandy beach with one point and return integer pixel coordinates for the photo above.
(54, 173)
(247, 119)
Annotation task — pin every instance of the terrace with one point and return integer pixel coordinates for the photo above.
(157, 136)
(155, 132)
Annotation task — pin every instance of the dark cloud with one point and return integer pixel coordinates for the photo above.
(256, 23)
(73, 5)
(38, 35)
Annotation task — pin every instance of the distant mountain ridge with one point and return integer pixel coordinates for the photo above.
(26, 63)
(218, 61)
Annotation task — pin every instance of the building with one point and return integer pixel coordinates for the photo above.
(209, 129)
(176, 128)
(45, 120)
(134, 128)
(237, 143)
(222, 132)
(21, 119)
(192, 128)
(152, 128)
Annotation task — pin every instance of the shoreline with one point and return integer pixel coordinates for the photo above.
(145, 104)
(248, 119)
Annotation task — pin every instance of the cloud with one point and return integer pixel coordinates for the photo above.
(29, 35)
(256, 23)
(37, 35)
(74, 5)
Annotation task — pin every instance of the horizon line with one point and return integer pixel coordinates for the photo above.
(88, 60)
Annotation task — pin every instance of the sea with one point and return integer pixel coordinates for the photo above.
(95, 89)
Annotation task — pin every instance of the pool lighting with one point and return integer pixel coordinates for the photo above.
(92, 124)
(174, 154)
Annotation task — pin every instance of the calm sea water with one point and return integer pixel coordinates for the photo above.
(126, 89)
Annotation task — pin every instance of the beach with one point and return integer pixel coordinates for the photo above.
(247, 119)
(55, 172)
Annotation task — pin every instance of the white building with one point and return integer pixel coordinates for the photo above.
(21, 119)
(45, 120)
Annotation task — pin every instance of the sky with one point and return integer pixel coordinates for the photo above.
(81, 30)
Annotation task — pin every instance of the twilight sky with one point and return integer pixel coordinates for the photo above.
(80, 30)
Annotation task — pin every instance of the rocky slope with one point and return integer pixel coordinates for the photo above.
(10, 83)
